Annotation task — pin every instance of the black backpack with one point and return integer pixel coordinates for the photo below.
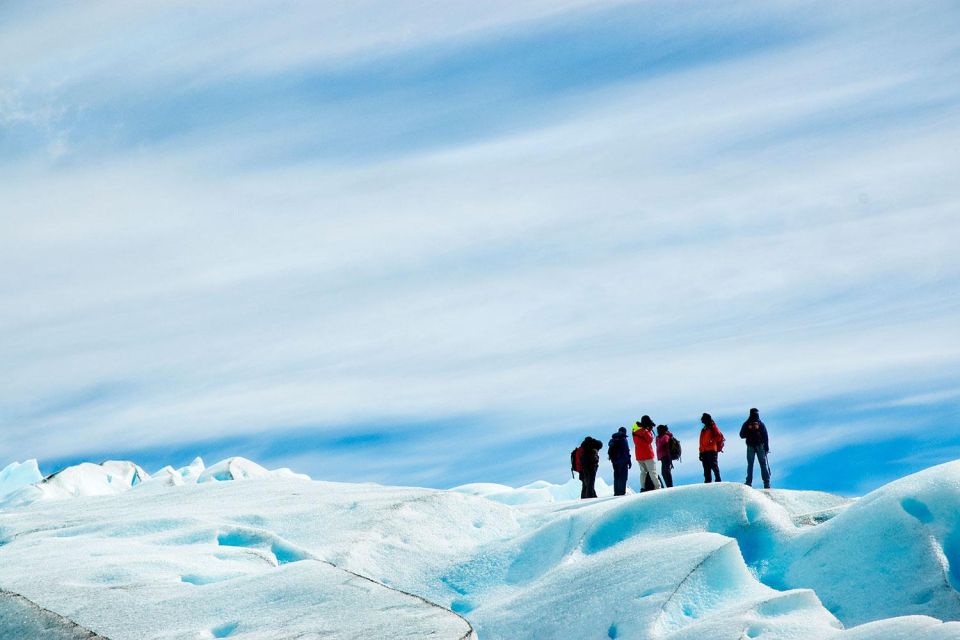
(675, 449)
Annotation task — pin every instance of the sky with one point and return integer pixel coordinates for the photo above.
(432, 243)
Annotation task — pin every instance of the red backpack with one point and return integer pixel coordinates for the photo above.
(576, 466)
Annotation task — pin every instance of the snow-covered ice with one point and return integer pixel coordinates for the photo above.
(535, 492)
(237, 551)
(18, 475)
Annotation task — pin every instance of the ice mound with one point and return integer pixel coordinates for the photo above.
(17, 475)
(894, 552)
(238, 468)
(170, 477)
(233, 469)
(85, 479)
(113, 477)
(690, 586)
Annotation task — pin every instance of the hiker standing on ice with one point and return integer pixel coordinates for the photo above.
(754, 432)
(588, 454)
(618, 451)
(711, 444)
(643, 447)
(664, 454)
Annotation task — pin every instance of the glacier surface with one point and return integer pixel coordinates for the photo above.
(238, 551)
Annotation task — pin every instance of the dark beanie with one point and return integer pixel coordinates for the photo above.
(661, 429)
(706, 419)
(622, 430)
(755, 412)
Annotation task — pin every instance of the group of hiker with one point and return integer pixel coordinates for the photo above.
(663, 446)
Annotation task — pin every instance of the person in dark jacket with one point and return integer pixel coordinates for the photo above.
(754, 432)
(711, 445)
(589, 463)
(618, 452)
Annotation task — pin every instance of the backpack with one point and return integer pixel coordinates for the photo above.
(575, 463)
(723, 440)
(674, 447)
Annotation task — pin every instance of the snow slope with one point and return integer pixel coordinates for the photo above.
(273, 555)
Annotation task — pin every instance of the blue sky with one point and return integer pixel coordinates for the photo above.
(434, 244)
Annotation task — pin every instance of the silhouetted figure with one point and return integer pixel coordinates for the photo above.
(754, 432)
(618, 452)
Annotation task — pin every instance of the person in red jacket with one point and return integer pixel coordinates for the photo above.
(643, 449)
(711, 444)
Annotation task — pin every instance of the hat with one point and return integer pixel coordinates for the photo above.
(622, 430)
(706, 418)
(661, 428)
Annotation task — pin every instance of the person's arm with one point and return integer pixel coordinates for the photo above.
(743, 430)
(766, 439)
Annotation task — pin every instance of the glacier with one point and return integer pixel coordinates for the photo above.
(238, 551)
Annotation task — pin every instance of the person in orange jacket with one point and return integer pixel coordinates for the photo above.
(711, 444)
(643, 449)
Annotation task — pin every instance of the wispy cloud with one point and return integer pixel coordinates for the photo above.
(242, 224)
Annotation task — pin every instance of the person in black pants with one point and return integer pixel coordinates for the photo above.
(618, 452)
(754, 432)
(663, 454)
(589, 463)
(711, 444)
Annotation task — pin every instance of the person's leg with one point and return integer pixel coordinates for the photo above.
(665, 471)
(583, 485)
(764, 467)
(591, 484)
(751, 453)
(710, 466)
(651, 468)
(619, 479)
